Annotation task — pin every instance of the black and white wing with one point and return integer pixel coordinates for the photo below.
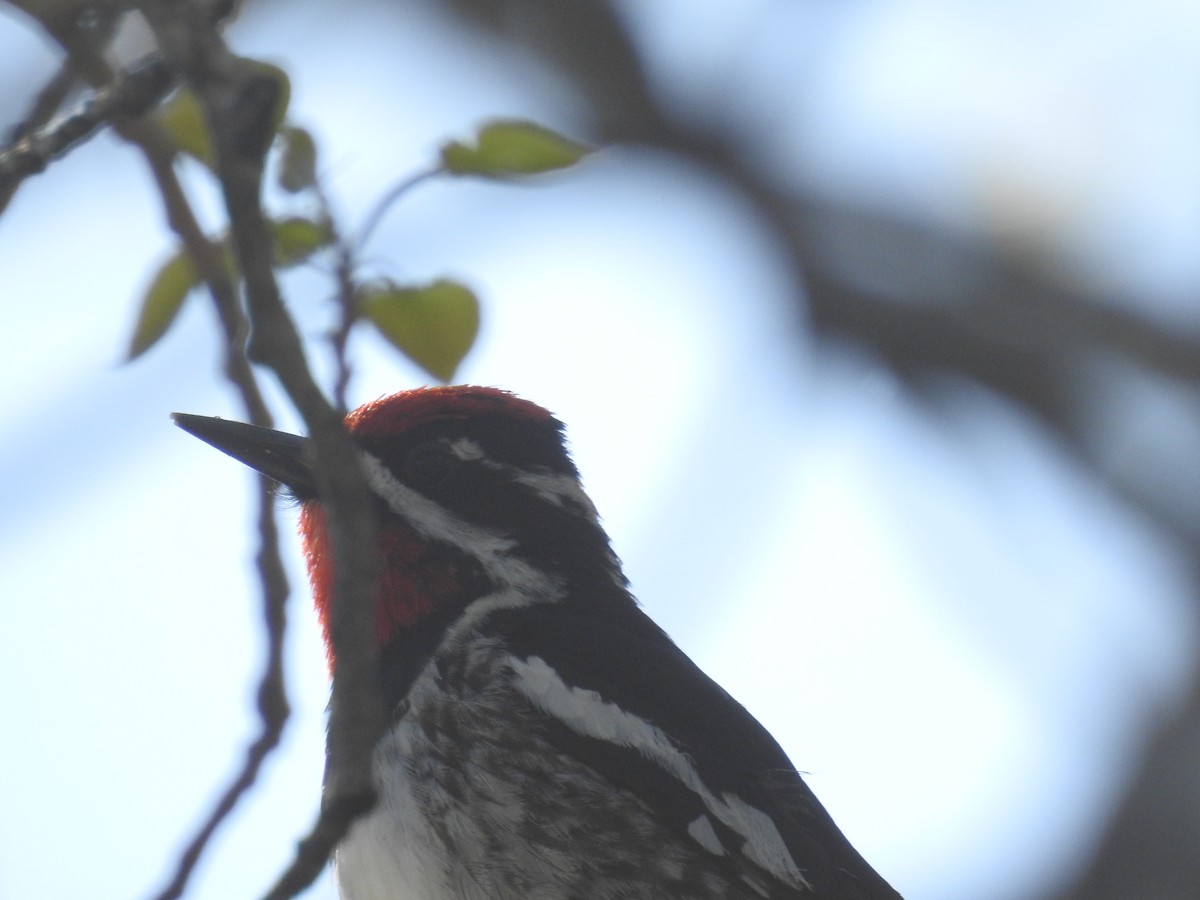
(631, 705)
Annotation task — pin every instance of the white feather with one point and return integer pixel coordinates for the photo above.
(589, 714)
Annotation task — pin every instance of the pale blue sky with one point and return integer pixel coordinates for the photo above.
(951, 630)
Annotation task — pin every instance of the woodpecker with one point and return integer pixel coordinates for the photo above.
(547, 740)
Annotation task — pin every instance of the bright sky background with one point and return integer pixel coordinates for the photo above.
(956, 634)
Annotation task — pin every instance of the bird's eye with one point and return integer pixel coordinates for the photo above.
(429, 465)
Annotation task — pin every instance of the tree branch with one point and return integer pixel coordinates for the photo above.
(120, 99)
(129, 95)
(237, 99)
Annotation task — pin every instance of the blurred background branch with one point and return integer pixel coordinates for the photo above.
(933, 303)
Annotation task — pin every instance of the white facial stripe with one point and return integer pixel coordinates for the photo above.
(432, 521)
(557, 488)
(466, 449)
(588, 714)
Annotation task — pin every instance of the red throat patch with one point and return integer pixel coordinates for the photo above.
(318, 555)
(414, 581)
(410, 587)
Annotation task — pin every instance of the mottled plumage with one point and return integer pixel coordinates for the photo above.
(548, 741)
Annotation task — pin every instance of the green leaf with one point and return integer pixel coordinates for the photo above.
(512, 147)
(162, 302)
(298, 167)
(434, 325)
(183, 120)
(297, 238)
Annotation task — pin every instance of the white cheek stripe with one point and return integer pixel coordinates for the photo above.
(493, 550)
(558, 489)
(587, 713)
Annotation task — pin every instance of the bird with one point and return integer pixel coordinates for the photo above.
(546, 739)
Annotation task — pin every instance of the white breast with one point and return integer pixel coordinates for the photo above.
(391, 854)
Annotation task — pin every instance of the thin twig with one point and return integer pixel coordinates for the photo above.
(43, 108)
(346, 265)
(45, 104)
(346, 300)
(131, 94)
(236, 98)
(380, 209)
(272, 699)
(272, 696)
(84, 56)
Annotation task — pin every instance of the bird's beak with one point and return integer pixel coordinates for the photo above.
(277, 454)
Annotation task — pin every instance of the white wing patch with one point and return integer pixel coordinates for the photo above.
(703, 833)
(589, 714)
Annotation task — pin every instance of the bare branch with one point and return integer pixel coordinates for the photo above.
(346, 301)
(346, 256)
(45, 104)
(132, 93)
(272, 698)
(126, 96)
(237, 98)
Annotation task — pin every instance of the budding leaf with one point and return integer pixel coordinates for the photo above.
(512, 147)
(297, 238)
(183, 121)
(298, 167)
(434, 325)
(162, 302)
